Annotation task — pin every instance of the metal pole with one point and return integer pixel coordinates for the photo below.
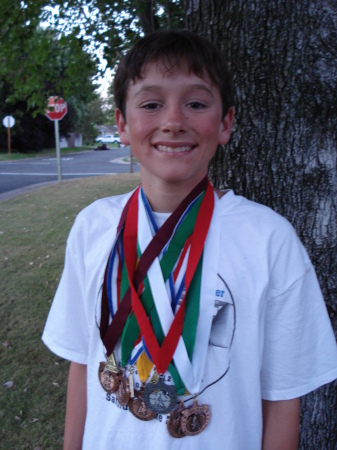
(58, 155)
(131, 161)
(9, 139)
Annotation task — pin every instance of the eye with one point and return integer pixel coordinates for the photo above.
(196, 105)
(150, 106)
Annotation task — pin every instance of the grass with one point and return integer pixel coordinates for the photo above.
(127, 159)
(33, 232)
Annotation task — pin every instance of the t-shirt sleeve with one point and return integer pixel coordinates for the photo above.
(66, 331)
(299, 352)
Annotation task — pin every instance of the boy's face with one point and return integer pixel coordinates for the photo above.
(174, 124)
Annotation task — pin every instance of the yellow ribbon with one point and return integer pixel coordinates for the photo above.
(144, 367)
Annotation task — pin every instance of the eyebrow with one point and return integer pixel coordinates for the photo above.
(155, 88)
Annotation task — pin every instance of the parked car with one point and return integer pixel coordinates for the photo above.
(108, 138)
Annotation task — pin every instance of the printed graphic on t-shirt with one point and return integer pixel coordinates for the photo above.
(221, 337)
(223, 325)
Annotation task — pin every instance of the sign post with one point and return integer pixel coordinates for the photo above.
(131, 160)
(56, 110)
(8, 122)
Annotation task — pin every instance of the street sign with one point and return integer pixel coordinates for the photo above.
(8, 121)
(57, 108)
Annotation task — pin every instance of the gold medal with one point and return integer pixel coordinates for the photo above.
(195, 419)
(111, 364)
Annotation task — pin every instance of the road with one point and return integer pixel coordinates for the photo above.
(24, 173)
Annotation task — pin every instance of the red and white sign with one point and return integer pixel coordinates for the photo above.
(57, 108)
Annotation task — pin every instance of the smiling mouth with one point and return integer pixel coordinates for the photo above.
(167, 149)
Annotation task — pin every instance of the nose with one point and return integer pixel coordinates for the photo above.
(174, 120)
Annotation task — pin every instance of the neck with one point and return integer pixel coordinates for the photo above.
(166, 197)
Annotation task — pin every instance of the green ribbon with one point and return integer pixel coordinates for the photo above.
(131, 329)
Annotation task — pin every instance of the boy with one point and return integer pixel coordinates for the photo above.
(190, 309)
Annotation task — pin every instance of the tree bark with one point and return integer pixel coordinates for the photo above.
(147, 18)
(283, 152)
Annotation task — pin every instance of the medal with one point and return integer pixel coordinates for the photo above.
(195, 419)
(111, 365)
(109, 380)
(138, 408)
(123, 392)
(160, 397)
(174, 422)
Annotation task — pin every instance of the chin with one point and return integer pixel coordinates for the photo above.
(181, 178)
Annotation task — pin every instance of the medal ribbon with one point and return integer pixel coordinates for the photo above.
(162, 355)
(163, 305)
(131, 330)
(175, 255)
(110, 333)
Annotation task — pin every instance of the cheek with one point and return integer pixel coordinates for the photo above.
(210, 125)
(140, 126)
(210, 131)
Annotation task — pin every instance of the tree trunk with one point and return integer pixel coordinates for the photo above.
(147, 18)
(283, 56)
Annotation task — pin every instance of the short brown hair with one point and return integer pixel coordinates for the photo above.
(174, 48)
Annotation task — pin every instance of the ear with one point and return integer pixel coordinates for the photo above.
(123, 129)
(225, 126)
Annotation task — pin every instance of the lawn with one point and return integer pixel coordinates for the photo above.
(33, 232)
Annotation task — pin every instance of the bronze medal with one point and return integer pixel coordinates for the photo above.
(160, 397)
(109, 380)
(173, 423)
(123, 393)
(138, 408)
(195, 419)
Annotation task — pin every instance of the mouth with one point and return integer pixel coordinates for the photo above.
(168, 149)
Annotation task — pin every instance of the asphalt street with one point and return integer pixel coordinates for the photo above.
(29, 172)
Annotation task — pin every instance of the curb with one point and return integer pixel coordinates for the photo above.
(17, 192)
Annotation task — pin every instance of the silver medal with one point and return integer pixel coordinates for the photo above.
(160, 397)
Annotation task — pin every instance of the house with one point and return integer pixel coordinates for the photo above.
(103, 130)
(71, 140)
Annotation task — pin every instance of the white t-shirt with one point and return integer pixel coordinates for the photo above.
(269, 333)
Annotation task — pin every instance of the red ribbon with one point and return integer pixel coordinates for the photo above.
(110, 333)
(163, 355)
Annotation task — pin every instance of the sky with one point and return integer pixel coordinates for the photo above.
(103, 82)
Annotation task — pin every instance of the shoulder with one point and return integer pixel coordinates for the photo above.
(253, 218)
(99, 217)
(104, 207)
(261, 235)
